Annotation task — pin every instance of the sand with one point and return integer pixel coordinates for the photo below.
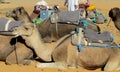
(102, 5)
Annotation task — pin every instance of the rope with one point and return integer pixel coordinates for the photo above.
(86, 24)
(79, 32)
(56, 24)
(105, 28)
(15, 47)
(93, 46)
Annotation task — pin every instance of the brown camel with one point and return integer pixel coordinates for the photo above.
(12, 52)
(114, 14)
(49, 31)
(66, 55)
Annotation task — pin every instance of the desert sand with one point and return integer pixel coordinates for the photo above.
(102, 5)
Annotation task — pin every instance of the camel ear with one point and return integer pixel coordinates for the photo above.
(111, 13)
(22, 10)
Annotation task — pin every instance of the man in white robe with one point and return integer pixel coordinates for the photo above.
(71, 4)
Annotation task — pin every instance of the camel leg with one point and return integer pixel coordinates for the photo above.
(113, 64)
(13, 59)
(27, 62)
(20, 55)
(60, 65)
(72, 55)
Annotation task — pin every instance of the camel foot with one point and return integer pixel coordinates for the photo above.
(52, 65)
(46, 58)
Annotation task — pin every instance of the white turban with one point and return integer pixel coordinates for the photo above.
(42, 2)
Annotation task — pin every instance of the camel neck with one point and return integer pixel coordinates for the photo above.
(26, 19)
(42, 50)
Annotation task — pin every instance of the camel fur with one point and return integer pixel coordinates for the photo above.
(114, 14)
(66, 55)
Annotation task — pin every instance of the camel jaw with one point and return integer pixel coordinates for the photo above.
(15, 34)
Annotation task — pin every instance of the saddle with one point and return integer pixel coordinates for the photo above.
(7, 26)
(89, 37)
(65, 17)
(93, 37)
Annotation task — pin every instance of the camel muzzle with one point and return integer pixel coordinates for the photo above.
(6, 33)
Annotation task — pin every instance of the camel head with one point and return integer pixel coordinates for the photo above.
(114, 13)
(23, 30)
(17, 13)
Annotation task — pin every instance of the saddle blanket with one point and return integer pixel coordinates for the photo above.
(69, 17)
(90, 36)
(94, 37)
(9, 25)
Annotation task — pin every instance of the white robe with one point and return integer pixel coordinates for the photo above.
(71, 4)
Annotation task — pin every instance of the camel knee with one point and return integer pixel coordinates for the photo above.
(112, 66)
(26, 62)
(59, 65)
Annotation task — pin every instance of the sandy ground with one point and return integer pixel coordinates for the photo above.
(103, 6)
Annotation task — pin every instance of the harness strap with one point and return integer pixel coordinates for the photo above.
(85, 23)
(79, 30)
(56, 23)
(7, 25)
(95, 46)
(15, 47)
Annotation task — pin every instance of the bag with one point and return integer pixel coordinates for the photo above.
(91, 14)
(100, 18)
(91, 7)
(44, 14)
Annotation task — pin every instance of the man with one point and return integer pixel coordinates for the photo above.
(41, 5)
(71, 4)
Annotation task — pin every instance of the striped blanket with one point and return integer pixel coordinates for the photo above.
(9, 25)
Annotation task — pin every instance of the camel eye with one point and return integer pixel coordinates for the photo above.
(13, 11)
(26, 28)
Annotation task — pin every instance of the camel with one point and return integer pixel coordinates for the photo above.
(114, 14)
(49, 32)
(64, 54)
(12, 52)
(11, 48)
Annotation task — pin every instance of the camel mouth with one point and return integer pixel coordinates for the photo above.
(15, 34)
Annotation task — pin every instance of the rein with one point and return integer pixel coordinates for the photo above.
(68, 36)
(56, 23)
(15, 47)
